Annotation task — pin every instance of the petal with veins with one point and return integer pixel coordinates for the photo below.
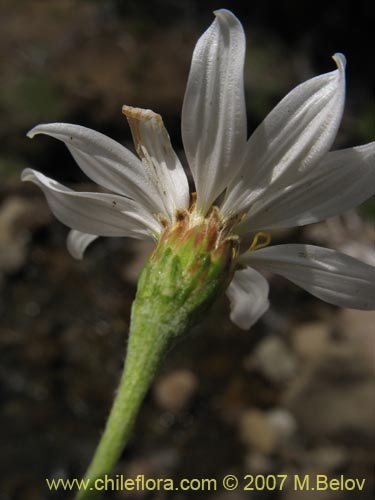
(329, 275)
(163, 167)
(106, 162)
(291, 140)
(248, 295)
(77, 242)
(214, 113)
(342, 180)
(95, 213)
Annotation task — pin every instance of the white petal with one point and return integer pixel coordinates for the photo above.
(329, 275)
(342, 180)
(248, 295)
(213, 113)
(95, 213)
(163, 167)
(77, 242)
(292, 138)
(106, 162)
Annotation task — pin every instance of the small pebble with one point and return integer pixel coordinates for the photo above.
(174, 391)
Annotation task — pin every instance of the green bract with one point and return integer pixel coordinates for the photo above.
(188, 269)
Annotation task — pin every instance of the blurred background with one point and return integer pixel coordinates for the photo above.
(295, 395)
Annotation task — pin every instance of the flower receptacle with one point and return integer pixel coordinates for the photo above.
(192, 264)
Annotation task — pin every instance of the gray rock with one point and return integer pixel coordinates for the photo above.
(274, 359)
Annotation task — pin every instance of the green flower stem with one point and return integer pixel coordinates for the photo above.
(189, 268)
(147, 344)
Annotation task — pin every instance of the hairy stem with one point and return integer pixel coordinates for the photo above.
(148, 342)
(188, 269)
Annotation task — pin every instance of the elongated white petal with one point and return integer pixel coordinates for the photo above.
(291, 140)
(213, 113)
(342, 180)
(77, 242)
(163, 167)
(248, 295)
(95, 213)
(329, 275)
(106, 162)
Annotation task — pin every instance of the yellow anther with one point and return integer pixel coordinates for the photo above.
(258, 243)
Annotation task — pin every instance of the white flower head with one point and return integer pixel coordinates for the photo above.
(282, 176)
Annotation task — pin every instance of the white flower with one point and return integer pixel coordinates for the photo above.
(282, 176)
